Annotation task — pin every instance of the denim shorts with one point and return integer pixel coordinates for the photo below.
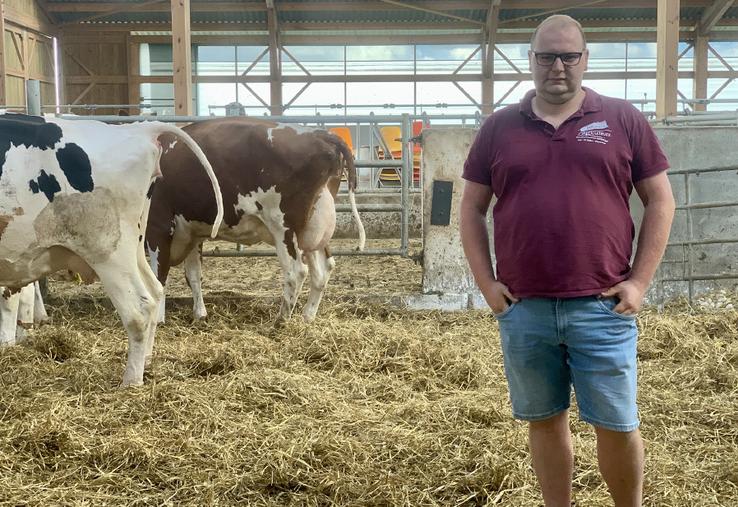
(550, 344)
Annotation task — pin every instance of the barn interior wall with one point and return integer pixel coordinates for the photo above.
(28, 55)
(26, 9)
(28, 51)
(95, 70)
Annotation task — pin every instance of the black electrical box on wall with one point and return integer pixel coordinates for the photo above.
(441, 202)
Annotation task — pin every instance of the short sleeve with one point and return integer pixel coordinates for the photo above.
(648, 157)
(477, 167)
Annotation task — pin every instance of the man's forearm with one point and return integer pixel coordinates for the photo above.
(652, 240)
(475, 240)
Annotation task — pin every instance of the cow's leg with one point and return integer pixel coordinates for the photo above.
(193, 275)
(320, 264)
(314, 239)
(159, 262)
(156, 291)
(8, 318)
(39, 310)
(294, 272)
(125, 286)
(25, 311)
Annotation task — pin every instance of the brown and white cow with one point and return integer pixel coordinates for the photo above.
(278, 183)
(74, 195)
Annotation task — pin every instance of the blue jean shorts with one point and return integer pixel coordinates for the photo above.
(552, 344)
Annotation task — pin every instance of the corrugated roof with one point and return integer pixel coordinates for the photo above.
(349, 11)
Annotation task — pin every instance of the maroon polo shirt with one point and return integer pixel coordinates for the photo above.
(562, 224)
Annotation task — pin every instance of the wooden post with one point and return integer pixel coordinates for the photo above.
(134, 86)
(488, 57)
(667, 57)
(275, 61)
(709, 19)
(699, 88)
(181, 57)
(2, 53)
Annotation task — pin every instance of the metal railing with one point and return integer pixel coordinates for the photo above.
(687, 246)
(404, 164)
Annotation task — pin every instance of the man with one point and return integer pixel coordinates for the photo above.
(562, 165)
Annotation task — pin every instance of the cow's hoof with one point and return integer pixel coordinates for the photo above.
(132, 381)
(7, 343)
(124, 385)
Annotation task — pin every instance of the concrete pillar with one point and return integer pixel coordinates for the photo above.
(447, 281)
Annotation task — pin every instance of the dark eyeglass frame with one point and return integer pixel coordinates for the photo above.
(576, 55)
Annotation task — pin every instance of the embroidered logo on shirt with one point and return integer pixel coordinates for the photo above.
(598, 132)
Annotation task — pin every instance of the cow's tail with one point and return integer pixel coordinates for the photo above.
(161, 128)
(349, 168)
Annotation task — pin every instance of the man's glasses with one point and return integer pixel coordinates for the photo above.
(548, 59)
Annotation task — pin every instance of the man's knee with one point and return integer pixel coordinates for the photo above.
(616, 435)
(555, 423)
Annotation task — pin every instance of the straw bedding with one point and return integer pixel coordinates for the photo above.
(368, 405)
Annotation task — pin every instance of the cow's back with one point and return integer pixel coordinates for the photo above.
(248, 156)
(67, 184)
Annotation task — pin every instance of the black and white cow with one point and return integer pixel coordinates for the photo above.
(74, 194)
(19, 311)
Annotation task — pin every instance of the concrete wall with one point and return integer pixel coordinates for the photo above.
(379, 224)
(701, 148)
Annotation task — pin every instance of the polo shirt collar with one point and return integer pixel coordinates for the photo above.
(592, 103)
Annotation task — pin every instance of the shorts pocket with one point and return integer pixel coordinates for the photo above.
(607, 305)
(505, 312)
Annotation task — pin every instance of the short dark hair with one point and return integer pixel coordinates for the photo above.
(561, 18)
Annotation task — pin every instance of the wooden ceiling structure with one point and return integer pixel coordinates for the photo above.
(275, 23)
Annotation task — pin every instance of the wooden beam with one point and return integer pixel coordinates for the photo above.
(275, 61)
(42, 5)
(431, 11)
(367, 5)
(712, 15)
(488, 56)
(24, 55)
(554, 10)
(114, 10)
(471, 38)
(134, 66)
(3, 74)
(667, 57)
(357, 28)
(61, 71)
(181, 57)
(393, 78)
(103, 79)
(28, 22)
(699, 85)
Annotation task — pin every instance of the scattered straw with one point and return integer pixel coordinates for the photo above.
(366, 406)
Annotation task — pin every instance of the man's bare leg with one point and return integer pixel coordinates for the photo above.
(553, 458)
(620, 456)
